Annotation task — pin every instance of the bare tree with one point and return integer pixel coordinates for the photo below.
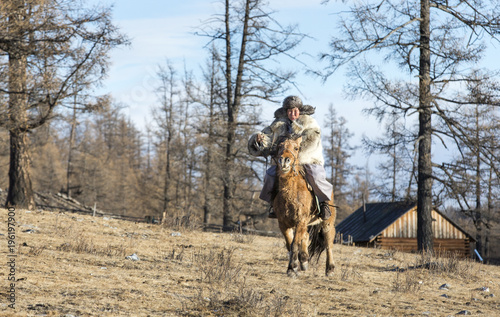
(360, 187)
(252, 41)
(471, 179)
(79, 103)
(397, 145)
(47, 163)
(435, 50)
(165, 117)
(208, 98)
(107, 162)
(47, 47)
(338, 151)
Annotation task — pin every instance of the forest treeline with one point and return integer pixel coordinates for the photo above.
(172, 168)
(101, 158)
(191, 161)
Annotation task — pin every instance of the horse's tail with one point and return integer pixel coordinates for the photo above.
(317, 242)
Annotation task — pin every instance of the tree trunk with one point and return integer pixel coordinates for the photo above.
(424, 194)
(72, 132)
(168, 104)
(490, 208)
(478, 221)
(207, 213)
(233, 104)
(20, 190)
(167, 179)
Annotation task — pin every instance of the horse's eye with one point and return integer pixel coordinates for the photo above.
(296, 149)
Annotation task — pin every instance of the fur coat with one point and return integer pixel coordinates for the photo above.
(311, 150)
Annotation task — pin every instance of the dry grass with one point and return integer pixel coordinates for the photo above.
(243, 237)
(75, 265)
(219, 267)
(83, 244)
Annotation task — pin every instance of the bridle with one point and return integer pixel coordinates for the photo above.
(293, 164)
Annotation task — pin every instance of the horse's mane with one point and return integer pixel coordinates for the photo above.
(293, 136)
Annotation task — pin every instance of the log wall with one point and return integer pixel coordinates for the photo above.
(406, 227)
(460, 247)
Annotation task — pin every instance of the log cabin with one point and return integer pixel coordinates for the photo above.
(394, 226)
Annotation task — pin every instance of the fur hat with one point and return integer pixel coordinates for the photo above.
(291, 102)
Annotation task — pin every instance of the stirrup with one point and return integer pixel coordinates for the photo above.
(272, 214)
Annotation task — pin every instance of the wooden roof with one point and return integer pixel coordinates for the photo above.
(366, 226)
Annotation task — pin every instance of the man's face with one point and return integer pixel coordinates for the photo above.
(293, 113)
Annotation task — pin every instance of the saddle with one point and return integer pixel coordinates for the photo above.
(316, 200)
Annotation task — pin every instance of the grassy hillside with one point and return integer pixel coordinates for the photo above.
(76, 265)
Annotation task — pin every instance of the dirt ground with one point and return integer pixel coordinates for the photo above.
(76, 265)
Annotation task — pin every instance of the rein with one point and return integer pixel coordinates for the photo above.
(294, 164)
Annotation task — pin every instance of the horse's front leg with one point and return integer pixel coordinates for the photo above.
(303, 238)
(288, 234)
(293, 264)
(292, 248)
(299, 250)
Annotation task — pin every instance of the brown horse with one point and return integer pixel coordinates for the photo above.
(296, 211)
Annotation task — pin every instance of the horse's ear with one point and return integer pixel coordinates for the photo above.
(299, 139)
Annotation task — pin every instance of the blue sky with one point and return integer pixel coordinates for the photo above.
(162, 30)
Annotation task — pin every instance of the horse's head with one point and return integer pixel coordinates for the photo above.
(288, 155)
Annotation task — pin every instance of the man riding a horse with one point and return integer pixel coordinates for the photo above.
(294, 119)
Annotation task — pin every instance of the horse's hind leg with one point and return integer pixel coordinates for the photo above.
(328, 229)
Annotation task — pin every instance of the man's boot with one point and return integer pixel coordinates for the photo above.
(324, 210)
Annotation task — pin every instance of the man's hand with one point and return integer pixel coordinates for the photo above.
(259, 140)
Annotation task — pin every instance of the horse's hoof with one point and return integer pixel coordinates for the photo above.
(291, 273)
(304, 266)
(329, 271)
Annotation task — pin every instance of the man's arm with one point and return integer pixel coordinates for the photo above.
(260, 143)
